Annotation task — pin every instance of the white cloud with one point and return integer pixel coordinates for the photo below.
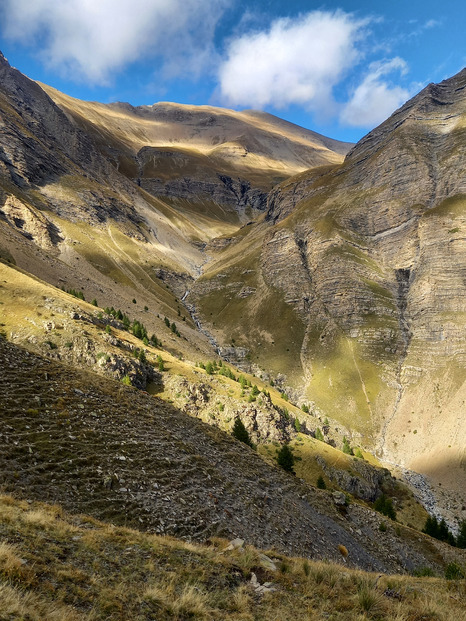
(296, 61)
(375, 98)
(92, 39)
(421, 28)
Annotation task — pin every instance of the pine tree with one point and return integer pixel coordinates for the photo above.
(240, 432)
(285, 458)
(346, 447)
(321, 483)
(461, 539)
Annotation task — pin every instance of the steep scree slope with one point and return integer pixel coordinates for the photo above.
(124, 456)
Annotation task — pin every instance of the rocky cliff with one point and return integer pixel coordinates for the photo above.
(356, 283)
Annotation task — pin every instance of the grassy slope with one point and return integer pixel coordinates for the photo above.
(63, 567)
(29, 305)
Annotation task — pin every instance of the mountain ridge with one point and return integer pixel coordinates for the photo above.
(361, 260)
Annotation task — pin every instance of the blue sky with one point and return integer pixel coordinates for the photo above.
(339, 68)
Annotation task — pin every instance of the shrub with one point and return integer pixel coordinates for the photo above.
(305, 408)
(142, 356)
(319, 434)
(139, 330)
(384, 505)
(371, 601)
(454, 572)
(285, 458)
(321, 483)
(240, 432)
(424, 572)
(126, 380)
(76, 294)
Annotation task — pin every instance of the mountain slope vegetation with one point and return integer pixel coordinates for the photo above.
(237, 267)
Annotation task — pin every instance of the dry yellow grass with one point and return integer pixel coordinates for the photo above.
(66, 568)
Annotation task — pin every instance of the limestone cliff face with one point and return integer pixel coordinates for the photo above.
(370, 259)
(175, 174)
(40, 147)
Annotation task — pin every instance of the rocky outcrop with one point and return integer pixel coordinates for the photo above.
(178, 174)
(50, 160)
(363, 481)
(32, 223)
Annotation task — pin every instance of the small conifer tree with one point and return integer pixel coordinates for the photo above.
(285, 458)
(346, 447)
(461, 539)
(240, 432)
(321, 483)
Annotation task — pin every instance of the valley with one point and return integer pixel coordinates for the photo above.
(168, 270)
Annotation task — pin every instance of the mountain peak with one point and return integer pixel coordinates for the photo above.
(438, 104)
(3, 59)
